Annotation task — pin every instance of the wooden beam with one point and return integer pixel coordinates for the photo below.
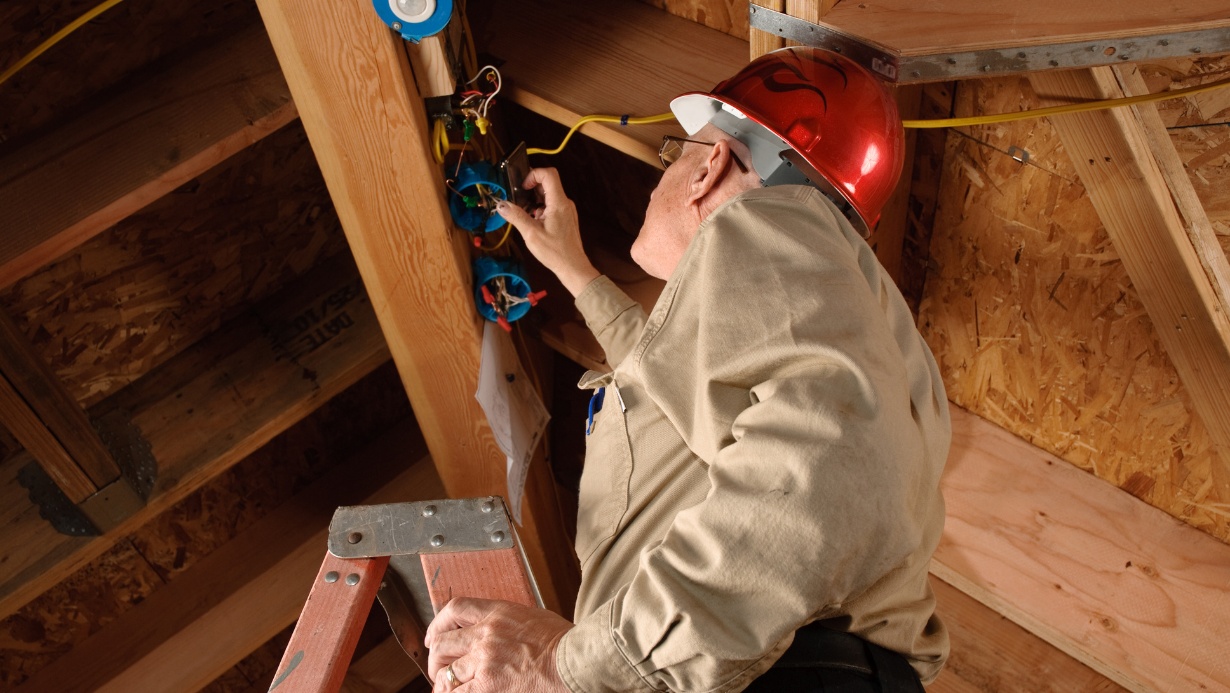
(41, 443)
(761, 42)
(206, 409)
(634, 61)
(1189, 308)
(89, 462)
(948, 26)
(352, 83)
(991, 654)
(64, 188)
(190, 631)
(1130, 591)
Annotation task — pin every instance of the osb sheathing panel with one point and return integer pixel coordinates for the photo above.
(139, 293)
(728, 16)
(1037, 326)
(101, 55)
(177, 539)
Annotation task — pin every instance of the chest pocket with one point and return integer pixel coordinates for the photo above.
(608, 468)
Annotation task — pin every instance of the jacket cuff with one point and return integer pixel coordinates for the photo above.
(601, 302)
(589, 661)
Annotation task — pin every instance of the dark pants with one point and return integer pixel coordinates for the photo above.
(826, 661)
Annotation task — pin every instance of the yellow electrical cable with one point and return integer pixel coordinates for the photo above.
(57, 37)
(1060, 110)
(439, 141)
(660, 118)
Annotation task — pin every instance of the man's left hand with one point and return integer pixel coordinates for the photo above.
(496, 647)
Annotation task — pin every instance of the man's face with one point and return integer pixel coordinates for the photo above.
(665, 234)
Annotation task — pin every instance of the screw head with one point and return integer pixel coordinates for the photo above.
(437, 540)
(497, 537)
(352, 579)
(396, 26)
(429, 511)
(487, 506)
(355, 537)
(331, 576)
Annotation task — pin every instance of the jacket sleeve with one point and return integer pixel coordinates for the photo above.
(819, 482)
(614, 317)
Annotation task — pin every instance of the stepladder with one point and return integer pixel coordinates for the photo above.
(413, 558)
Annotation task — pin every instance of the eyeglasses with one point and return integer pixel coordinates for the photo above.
(672, 149)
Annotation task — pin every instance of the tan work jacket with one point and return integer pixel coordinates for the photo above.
(768, 453)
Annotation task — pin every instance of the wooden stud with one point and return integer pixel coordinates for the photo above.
(62, 189)
(1111, 152)
(352, 83)
(209, 407)
(328, 630)
(1130, 591)
(761, 42)
(43, 392)
(947, 26)
(40, 442)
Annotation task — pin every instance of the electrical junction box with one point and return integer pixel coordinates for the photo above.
(415, 19)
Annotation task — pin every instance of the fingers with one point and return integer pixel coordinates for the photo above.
(548, 181)
(447, 648)
(457, 613)
(515, 215)
(462, 677)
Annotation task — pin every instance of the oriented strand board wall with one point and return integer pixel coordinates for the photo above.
(729, 16)
(1035, 322)
(139, 293)
(174, 541)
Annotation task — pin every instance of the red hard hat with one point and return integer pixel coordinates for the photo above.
(838, 118)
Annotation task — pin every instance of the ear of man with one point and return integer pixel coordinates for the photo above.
(706, 177)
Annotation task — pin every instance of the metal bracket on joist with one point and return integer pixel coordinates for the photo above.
(113, 503)
(943, 67)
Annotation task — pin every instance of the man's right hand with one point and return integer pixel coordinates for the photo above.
(552, 233)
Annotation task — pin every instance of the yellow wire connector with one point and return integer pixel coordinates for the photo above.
(622, 120)
(56, 38)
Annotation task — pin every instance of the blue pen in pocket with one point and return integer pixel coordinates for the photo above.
(595, 406)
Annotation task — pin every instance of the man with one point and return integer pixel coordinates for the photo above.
(760, 495)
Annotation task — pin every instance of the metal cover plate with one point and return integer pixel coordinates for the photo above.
(442, 526)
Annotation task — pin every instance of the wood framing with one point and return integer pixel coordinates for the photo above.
(1130, 591)
(206, 409)
(64, 188)
(947, 26)
(601, 67)
(351, 80)
(47, 420)
(1112, 154)
(195, 628)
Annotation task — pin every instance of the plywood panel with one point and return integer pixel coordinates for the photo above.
(727, 16)
(1136, 595)
(121, 154)
(136, 295)
(1037, 326)
(97, 57)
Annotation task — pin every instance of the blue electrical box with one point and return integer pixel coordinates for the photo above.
(415, 19)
